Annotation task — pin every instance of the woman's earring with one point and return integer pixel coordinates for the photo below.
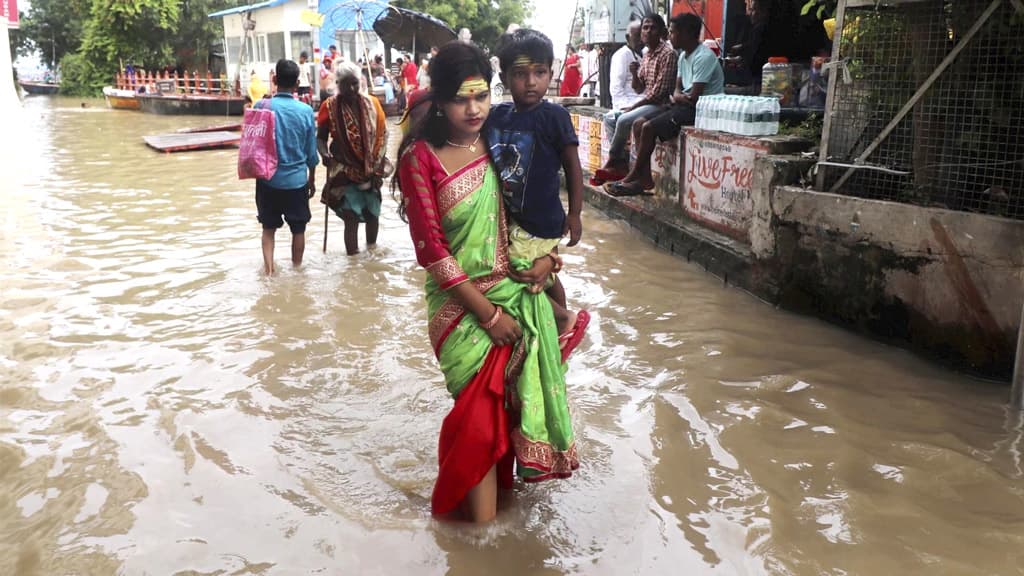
(439, 112)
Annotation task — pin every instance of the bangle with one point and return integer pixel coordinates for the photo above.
(494, 319)
(558, 262)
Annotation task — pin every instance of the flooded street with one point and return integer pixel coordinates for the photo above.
(166, 409)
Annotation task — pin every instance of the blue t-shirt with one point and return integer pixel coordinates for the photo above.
(526, 148)
(701, 66)
(295, 132)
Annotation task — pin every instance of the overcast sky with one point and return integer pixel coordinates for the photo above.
(553, 17)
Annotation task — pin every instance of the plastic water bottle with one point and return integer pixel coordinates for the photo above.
(746, 124)
(710, 110)
(773, 108)
(735, 106)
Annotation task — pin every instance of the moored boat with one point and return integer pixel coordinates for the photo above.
(43, 88)
(120, 99)
(192, 104)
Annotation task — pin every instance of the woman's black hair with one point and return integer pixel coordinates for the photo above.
(449, 68)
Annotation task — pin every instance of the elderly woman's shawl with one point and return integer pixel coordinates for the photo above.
(358, 138)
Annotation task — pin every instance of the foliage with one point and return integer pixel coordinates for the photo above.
(822, 9)
(53, 28)
(195, 32)
(80, 77)
(810, 128)
(486, 19)
(129, 30)
(19, 43)
(93, 39)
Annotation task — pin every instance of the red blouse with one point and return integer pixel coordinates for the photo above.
(421, 175)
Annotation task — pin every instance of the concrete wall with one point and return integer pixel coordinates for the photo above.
(946, 284)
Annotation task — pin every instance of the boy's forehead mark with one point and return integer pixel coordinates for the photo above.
(527, 62)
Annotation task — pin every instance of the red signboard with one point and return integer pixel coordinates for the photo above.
(709, 10)
(9, 10)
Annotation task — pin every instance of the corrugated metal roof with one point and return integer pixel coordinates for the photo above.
(256, 6)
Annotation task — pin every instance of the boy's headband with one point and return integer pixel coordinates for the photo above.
(472, 86)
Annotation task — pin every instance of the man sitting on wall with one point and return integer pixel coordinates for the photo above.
(699, 74)
(654, 76)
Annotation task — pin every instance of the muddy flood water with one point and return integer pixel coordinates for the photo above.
(166, 409)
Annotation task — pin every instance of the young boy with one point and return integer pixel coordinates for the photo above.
(530, 141)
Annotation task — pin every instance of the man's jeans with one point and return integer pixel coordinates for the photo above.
(619, 123)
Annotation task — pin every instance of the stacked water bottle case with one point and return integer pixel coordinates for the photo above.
(743, 115)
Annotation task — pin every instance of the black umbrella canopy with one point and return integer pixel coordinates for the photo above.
(408, 30)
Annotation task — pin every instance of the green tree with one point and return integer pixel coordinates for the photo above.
(119, 31)
(196, 33)
(53, 28)
(486, 19)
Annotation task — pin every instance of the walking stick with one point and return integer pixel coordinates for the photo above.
(325, 228)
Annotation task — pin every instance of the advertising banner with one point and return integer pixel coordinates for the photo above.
(718, 176)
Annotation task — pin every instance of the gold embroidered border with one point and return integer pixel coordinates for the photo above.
(445, 271)
(441, 324)
(457, 189)
(438, 327)
(543, 457)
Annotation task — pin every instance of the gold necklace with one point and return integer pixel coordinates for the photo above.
(471, 147)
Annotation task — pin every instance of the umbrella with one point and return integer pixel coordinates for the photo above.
(405, 29)
(353, 14)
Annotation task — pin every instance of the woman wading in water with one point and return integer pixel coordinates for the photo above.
(496, 342)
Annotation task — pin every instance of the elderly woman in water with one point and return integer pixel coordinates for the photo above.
(354, 155)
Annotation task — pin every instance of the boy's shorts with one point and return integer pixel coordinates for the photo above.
(275, 204)
(526, 246)
(667, 124)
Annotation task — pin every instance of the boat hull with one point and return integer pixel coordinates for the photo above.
(194, 105)
(41, 88)
(120, 99)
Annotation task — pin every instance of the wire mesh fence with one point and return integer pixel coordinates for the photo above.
(961, 143)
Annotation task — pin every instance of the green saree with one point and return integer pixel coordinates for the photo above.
(458, 226)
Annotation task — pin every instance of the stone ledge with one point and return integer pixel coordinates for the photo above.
(663, 223)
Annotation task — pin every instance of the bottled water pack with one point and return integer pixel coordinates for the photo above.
(743, 115)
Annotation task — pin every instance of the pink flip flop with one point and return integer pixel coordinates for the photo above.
(572, 338)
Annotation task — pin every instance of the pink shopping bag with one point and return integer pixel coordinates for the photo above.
(257, 149)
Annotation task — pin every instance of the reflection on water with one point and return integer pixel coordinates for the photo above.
(166, 409)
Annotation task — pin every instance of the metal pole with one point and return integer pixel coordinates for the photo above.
(1017, 390)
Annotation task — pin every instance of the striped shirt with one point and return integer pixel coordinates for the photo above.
(658, 73)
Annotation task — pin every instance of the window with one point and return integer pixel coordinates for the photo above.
(261, 48)
(233, 51)
(275, 46)
(300, 43)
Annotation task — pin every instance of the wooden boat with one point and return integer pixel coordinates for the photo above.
(120, 99)
(44, 88)
(192, 104)
(179, 142)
